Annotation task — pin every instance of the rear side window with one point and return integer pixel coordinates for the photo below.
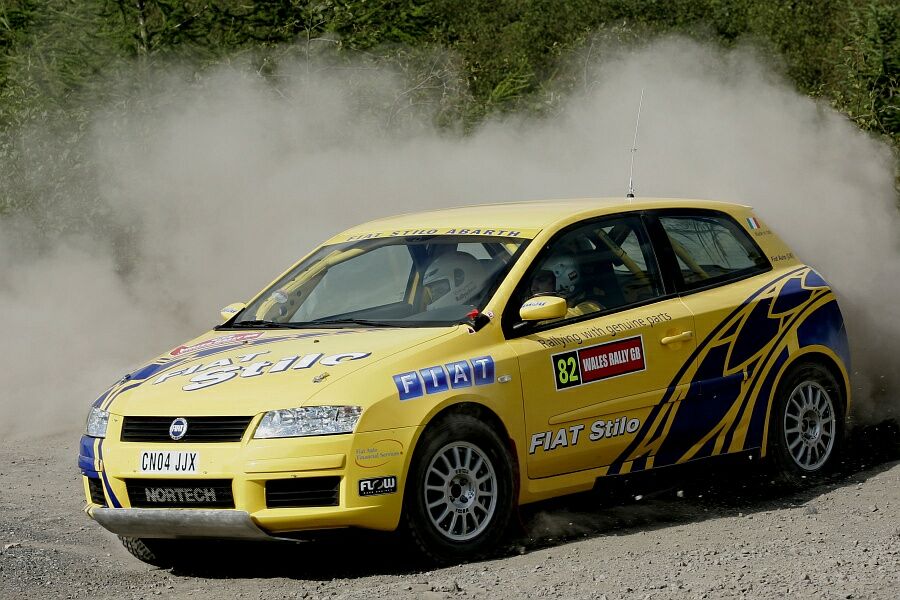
(711, 249)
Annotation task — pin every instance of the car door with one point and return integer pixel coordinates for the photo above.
(725, 280)
(591, 379)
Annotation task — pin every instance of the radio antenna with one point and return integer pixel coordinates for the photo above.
(637, 124)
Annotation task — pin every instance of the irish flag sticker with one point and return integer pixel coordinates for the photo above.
(753, 222)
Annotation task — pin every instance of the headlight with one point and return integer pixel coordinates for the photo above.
(312, 420)
(96, 423)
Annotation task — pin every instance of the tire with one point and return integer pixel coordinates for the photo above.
(460, 493)
(166, 553)
(806, 427)
(159, 553)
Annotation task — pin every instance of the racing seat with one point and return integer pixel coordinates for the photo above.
(600, 282)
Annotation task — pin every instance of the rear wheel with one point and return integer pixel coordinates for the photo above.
(460, 491)
(807, 423)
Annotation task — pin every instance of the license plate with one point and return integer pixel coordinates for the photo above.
(168, 461)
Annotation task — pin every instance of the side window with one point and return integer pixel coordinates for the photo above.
(475, 249)
(605, 265)
(711, 249)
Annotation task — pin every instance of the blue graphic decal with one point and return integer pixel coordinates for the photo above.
(86, 460)
(408, 385)
(435, 379)
(119, 388)
(100, 400)
(792, 295)
(813, 279)
(460, 374)
(825, 327)
(165, 363)
(484, 370)
(149, 371)
(757, 426)
(109, 493)
(726, 405)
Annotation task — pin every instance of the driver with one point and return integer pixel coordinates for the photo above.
(453, 279)
(560, 276)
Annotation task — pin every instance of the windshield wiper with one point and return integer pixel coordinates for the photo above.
(367, 322)
(262, 324)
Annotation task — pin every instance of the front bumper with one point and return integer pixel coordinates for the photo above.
(156, 523)
(109, 465)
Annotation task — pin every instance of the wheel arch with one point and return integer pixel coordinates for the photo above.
(824, 357)
(483, 413)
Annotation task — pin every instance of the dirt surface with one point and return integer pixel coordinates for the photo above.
(712, 532)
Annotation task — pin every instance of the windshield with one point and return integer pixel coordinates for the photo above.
(401, 281)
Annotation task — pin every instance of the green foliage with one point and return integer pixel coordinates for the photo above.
(60, 59)
(866, 78)
(51, 51)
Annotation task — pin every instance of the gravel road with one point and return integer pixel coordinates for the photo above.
(705, 533)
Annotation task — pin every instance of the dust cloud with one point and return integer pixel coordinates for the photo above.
(208, 197)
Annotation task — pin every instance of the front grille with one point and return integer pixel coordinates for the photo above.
(95, 486)
(303, 492)
(180, 493)
(199, 429)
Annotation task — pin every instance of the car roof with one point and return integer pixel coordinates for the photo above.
(525, 217)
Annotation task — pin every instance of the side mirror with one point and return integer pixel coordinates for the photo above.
(542, 308)
(232, 309)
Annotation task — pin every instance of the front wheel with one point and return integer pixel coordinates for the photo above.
(807, 423)
(171, 553)
(460, 491)
(159, 553)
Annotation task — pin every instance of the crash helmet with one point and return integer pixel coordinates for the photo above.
(453, 279)
(566, 272)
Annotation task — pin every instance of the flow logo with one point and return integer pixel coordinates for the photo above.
(377, 486)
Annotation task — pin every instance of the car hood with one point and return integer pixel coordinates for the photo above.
(241, 373)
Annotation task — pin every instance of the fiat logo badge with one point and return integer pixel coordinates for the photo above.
(178, 428)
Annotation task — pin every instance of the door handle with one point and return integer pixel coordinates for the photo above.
(674, 339)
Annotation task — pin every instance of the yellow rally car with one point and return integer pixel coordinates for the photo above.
(434, 371)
